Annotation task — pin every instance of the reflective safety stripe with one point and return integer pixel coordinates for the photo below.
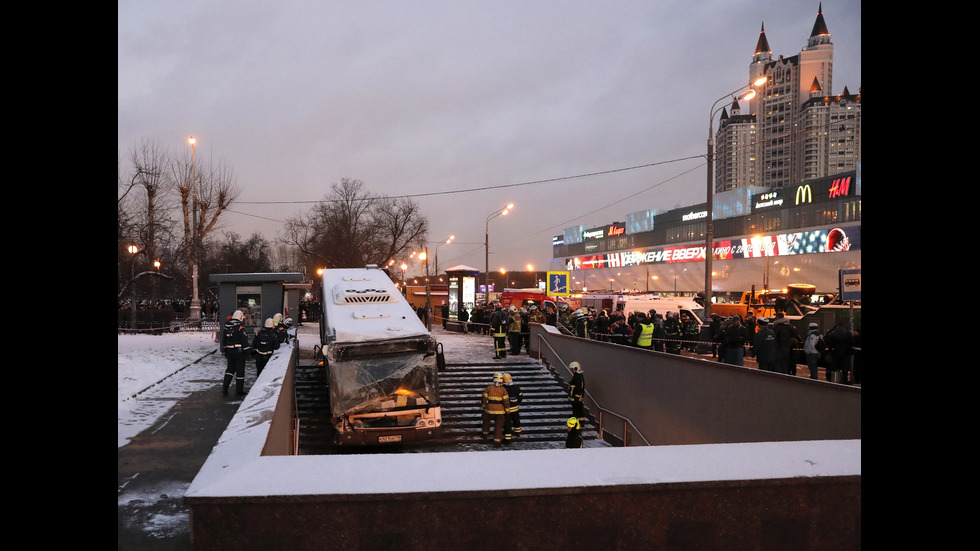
(646, 335)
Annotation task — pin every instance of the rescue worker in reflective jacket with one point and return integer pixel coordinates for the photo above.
(515, 326)
(498, 328)
(264, 344)
(643, 332)
(234, 343)
(512, 423)
(690, 332)
(574, 437)
(280, 328)
(576, 390)
(673, 329)
(495, 405)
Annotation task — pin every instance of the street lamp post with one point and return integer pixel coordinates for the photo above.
(441, 243)
(709, 232)
(133, 250)
(195, 310)
(486, 245)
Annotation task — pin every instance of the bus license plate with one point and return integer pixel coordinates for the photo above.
(394, 438)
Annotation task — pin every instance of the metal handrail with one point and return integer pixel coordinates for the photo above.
(626, 420)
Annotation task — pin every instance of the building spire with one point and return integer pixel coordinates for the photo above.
(762, 46)
(819, 26)
(815, 87)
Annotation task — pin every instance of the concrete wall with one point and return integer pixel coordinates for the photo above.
(797, 514)
(674, 399)
(745, 495)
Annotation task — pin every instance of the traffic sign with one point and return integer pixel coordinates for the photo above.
(850, 285)
(558, 284)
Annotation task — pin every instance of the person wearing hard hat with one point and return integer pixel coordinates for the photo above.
(264, 344)
(576, 390)
(574, 437)
(235, 344)
(515, 326)
(512, 422)
(495, 405)
(498, 328)
(280, 328)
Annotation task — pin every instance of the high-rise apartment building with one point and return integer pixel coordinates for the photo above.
(795, 129)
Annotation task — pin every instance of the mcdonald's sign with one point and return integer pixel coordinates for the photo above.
(804, 194)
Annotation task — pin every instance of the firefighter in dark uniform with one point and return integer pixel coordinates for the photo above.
(574, 437)
(495, 405)
(690, 332)
(280, 328)
(673, 329)
(512, 423)
(576, 390)
(498, 328)
(264, 344)
(234, 343)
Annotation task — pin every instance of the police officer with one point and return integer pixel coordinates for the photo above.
(574, 437)
(264, 344)
(234, 343)
(512, 423)
(764, 346)
(576, 390)
(495, 405)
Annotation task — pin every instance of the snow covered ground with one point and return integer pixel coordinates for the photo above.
(157, 366)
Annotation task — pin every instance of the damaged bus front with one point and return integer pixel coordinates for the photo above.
(380, 360)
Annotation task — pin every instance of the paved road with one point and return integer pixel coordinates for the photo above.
(157, 466)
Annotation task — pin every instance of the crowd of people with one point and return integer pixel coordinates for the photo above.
(775, 343)
(238, 345)
(208, 306)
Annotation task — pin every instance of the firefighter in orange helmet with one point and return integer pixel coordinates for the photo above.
(495, 404)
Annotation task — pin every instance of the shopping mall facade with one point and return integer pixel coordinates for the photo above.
(763, 238)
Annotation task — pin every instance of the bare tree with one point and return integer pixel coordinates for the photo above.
(205, 191)
(351, 228)
(149, 162)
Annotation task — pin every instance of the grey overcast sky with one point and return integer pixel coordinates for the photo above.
(577, 111)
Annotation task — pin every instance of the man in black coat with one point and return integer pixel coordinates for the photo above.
(234, 343)
(839, 342)
(264, 344)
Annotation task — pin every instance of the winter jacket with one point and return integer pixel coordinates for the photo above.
(233, 339)
(495, 400)
(265, 342)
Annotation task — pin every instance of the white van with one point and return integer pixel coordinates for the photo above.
(681, 305)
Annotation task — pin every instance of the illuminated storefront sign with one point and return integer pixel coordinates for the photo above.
(557, 240)
(814, 191)
(804, 194)
(840, 187)
(810, 242)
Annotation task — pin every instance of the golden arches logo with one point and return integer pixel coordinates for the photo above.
(804, 194)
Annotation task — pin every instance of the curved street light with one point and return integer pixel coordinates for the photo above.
(441, 243)
(709, 233)
(486, 245)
